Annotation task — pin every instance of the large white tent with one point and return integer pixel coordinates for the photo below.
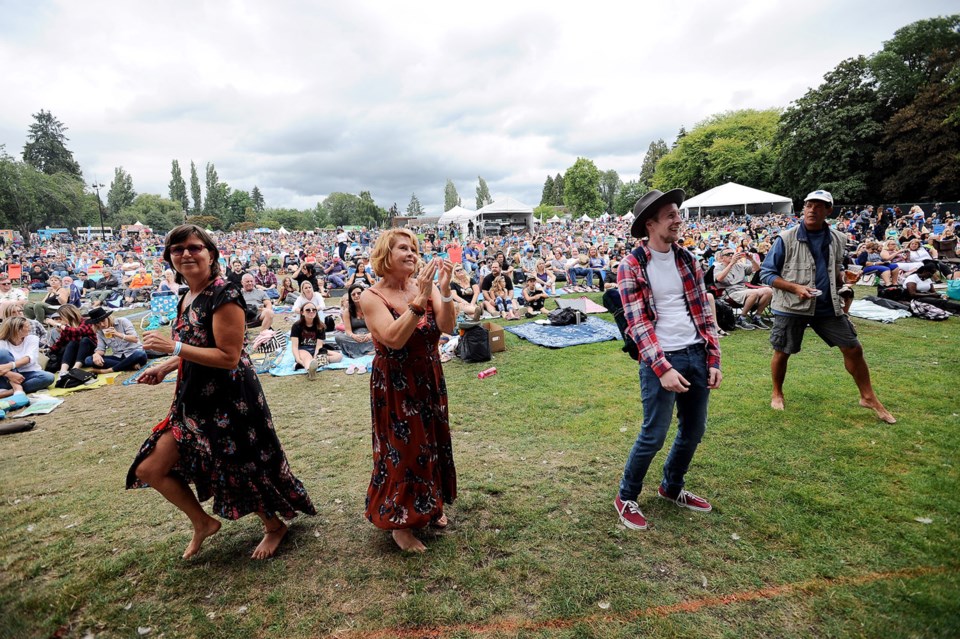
(460, 217)
(507, 210)
(736, 197)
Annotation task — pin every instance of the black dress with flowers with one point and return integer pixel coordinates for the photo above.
(220, 420)
(413, 471)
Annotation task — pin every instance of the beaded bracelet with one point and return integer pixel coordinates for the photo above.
(416, 310)
(446, 298)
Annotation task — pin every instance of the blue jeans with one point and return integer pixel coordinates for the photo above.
(658, 407)
(32, 380)
(118, 364)
(581, 272)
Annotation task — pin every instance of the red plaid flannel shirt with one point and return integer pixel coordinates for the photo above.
(641, 313)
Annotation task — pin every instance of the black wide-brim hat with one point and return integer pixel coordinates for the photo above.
(98, 315)
(649, 204)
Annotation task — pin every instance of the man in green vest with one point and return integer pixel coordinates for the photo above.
(805, 269)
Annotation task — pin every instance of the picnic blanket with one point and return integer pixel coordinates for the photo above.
(102, 380)
(287, 365)
(589, 332)
(171, 377)
(871, 311)
(584, 304)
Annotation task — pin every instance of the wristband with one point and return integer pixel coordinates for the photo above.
(176, 348)
(416, 310)
(446, 298)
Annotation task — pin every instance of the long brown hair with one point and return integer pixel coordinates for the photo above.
(11, 327)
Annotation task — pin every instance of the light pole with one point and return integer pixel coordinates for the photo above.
(96, 187)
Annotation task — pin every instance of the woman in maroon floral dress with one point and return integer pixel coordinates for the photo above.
(413, 472)
(218, 434)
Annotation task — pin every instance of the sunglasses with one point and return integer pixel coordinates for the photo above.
(309, 310)
(193, 249)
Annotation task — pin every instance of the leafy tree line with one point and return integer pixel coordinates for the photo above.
(881, 126)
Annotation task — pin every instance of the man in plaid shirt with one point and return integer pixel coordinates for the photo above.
(669, 317)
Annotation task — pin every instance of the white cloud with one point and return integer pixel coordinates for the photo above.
(303, 99)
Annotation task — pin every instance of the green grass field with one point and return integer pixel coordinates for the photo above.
(814, 532)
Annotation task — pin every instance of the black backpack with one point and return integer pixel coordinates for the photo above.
(726, 319)
(613, 303)
(474, 345)
(566, 317)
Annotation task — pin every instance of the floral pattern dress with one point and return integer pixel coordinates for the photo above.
(413, 471)
(221, 422)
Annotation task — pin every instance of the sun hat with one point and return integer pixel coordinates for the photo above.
(648, 205)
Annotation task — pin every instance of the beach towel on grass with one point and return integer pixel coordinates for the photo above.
(287, 364)
(584, 304)
(868, 310)
(171, 376)
(97, 383)
(589, 332)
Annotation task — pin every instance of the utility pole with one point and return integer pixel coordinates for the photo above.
(96, 187)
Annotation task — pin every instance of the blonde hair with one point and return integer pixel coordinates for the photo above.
(11, 327)
(380, 255)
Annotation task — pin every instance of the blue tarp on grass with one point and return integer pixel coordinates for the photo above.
(589, 332)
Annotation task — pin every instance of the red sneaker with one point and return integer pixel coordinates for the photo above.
(686, 499)
(630, 514)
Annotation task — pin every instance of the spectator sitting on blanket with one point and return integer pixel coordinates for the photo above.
(533, 297)
(336, 272)
(356, 340)
(497, 290)
(578, 266)
(259, 311)
(73, 293)
(558, 266)
(118, 336)
(15, 309)
(288, 291)
(57, 295)
(264, 278)
(506, 266)
(20, 370)
(307, 294)
(919, 286)
(868, 256)
(38, 277)
(307, 273)
(362, 274)
(893, 254)
(732, 279)
(307, 337)
(465, 293)
(75, 339)
(544, 274)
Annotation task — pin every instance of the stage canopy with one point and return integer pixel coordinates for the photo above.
(736, 197)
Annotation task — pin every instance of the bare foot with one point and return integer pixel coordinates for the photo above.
(271, 539)
(208, 529)
(776, 402)
(407, 541)
(440, 522)
(882, 413)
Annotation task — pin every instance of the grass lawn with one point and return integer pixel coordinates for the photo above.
(814, 530)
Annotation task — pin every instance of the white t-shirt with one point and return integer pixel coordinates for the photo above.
(29, 347)
(675, 329)
(317, 301)
(923, 286)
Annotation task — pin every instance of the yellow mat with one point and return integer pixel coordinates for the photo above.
(102, 380)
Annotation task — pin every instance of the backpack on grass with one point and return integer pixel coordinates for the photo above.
(474, 345)
(928, 311)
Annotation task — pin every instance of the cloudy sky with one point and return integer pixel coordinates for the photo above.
(306, 98)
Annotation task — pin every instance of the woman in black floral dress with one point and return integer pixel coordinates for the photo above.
(218, 434)
(413, 471)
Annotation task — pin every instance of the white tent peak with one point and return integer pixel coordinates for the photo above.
(732, 195)
(506, 204)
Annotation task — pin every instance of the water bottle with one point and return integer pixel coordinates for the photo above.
(486, 373)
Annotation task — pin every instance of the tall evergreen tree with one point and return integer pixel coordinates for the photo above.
(558, 190)
(195, 192)
(483, 193)
(655, 151)
(257, 197)
(178, 188)
(682, 133)
(609, 186)
(450, 196)
(121, 194)
(216, 194)
(546, 197)
(414, 207)
(46, 148)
